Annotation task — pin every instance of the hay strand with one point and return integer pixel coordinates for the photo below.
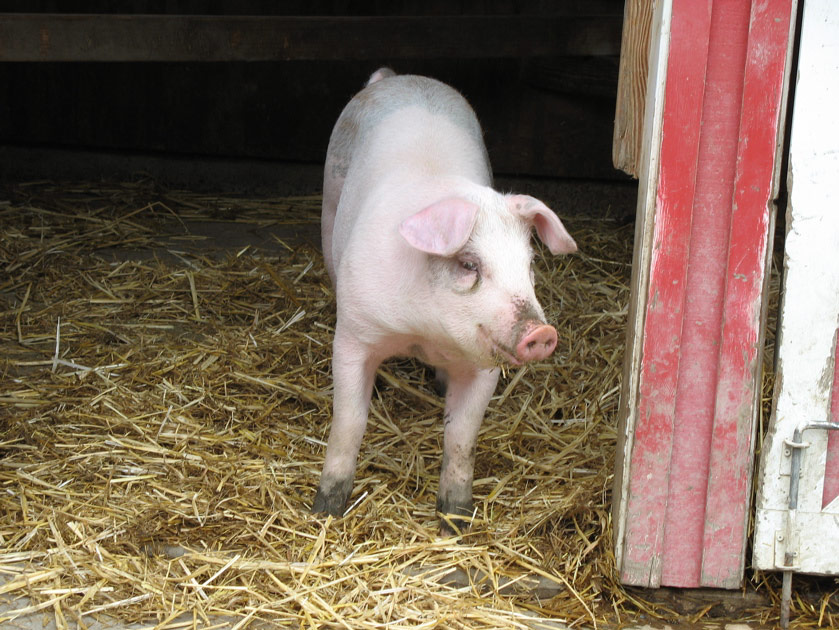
(165, 405)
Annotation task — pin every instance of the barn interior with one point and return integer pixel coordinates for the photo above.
(167, 322)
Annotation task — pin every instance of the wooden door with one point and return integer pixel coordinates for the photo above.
(804, 535)
(715, 102)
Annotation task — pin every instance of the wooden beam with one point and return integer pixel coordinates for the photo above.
(31, 37)
(641, 258)
(741, 337)
(632, 86)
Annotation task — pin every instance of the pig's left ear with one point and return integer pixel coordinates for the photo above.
(442, 228)
(548, 226)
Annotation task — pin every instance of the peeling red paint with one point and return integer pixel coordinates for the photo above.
(649, 476)
(739, 366)
(691, 462)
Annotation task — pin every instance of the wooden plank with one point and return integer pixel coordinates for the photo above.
(687, 468)
(632, 86)
(713, 603)
(649, 473)
(282, 111)
(751, 228)
(809, 309)
(702, 314)
(639, 283)
(160, 38)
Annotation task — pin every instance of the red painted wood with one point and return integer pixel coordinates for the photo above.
(649, 472)
(732, 440)
(709, 242)
(690, 466)
(831, 469)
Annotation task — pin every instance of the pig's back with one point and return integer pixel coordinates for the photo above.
(400, 126)
(379, 100)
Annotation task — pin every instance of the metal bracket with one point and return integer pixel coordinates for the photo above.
(788, 539)
(786, 549)
(790, 446)
(793, 444)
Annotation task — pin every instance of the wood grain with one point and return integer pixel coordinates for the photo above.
(165, 38)
(632, 86)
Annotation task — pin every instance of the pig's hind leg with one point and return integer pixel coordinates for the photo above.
(467, 395)
(353, 373)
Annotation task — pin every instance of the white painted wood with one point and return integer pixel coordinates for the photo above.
(810, 306)
(816, 532)
(648, 185)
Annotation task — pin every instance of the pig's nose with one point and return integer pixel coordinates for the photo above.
(538, 343)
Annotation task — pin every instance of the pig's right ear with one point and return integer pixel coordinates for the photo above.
(442, 228)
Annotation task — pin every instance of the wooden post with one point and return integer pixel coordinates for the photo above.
(689, 404)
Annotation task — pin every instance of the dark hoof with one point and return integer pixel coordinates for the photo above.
(452, 526)
(332, 498)
(455, 516)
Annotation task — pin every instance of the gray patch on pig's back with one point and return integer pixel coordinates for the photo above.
(379, 100)
(386, 97)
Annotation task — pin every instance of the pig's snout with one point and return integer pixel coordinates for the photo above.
(538, 343)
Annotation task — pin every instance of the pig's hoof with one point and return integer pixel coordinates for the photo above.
(332, 498)
(452, 513)
(452, 526)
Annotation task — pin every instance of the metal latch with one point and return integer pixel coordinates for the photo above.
(786, 542)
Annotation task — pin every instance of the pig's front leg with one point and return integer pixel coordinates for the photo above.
(353, 372)
(467, 396)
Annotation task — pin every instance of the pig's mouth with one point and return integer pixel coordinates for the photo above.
(500, 353)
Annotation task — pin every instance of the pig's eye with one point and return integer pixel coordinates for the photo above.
(466, 273)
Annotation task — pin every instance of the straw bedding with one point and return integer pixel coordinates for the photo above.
(165, 405)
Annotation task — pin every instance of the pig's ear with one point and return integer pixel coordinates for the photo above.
(548, 226)
(442, 228)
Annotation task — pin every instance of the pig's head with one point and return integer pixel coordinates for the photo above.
(479, 268)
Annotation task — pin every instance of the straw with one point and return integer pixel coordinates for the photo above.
(166, 402)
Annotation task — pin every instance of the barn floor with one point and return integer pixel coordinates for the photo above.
(165, 402)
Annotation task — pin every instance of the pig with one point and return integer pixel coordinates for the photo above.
(428, 261)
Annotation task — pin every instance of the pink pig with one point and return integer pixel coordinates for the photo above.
(428, 261)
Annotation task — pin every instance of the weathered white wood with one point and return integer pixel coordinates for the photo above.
(816, 533)
(648, 185)
(810, 307)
